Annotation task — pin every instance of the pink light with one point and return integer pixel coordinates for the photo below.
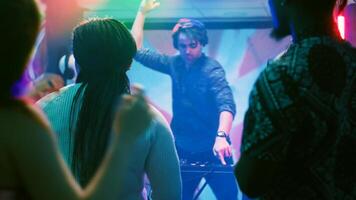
(341, 25)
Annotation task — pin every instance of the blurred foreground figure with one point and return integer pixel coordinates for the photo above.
(299, 132)
(31, 166)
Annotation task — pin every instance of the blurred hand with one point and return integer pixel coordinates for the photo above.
(148, 5)
(45, 84)
(133, 116)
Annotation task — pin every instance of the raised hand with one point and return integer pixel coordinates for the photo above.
(46, 83)
(133, 116)
(148, 5)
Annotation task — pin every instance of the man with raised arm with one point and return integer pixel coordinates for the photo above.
(203, 105)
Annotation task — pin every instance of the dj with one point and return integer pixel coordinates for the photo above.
(203, 105)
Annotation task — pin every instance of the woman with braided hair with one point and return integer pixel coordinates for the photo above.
(81, 114)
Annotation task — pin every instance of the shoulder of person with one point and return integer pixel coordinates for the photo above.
(280, 62)
(158, 116)
(177, 60)
(150, 51)
(212, 63)
(25, 118)
(51, 96)
(213, 68)
(159, 122)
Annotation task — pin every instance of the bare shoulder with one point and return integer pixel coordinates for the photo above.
(21, 120)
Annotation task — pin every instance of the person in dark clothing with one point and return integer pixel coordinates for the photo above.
(31, 166)
(203, 105)
(299, 130)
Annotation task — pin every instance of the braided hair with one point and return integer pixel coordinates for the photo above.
(103, 49)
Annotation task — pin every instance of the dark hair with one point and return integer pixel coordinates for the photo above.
(103, 49)
(322, 6)
(21, 22)
(194, 29)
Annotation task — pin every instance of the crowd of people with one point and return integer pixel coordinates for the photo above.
(99, 137)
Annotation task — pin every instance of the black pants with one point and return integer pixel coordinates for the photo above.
(223, 185)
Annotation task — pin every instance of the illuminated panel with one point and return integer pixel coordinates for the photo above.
(341, 25)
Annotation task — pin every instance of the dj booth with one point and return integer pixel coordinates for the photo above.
(201, 170)
(204, 170)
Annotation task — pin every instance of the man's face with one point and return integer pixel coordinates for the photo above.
(279, 18)
(189, 49)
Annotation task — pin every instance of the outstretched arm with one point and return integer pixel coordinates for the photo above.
(45, 84)
(226, 105)
(147, 57)
(222, 147)
(137, 27)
